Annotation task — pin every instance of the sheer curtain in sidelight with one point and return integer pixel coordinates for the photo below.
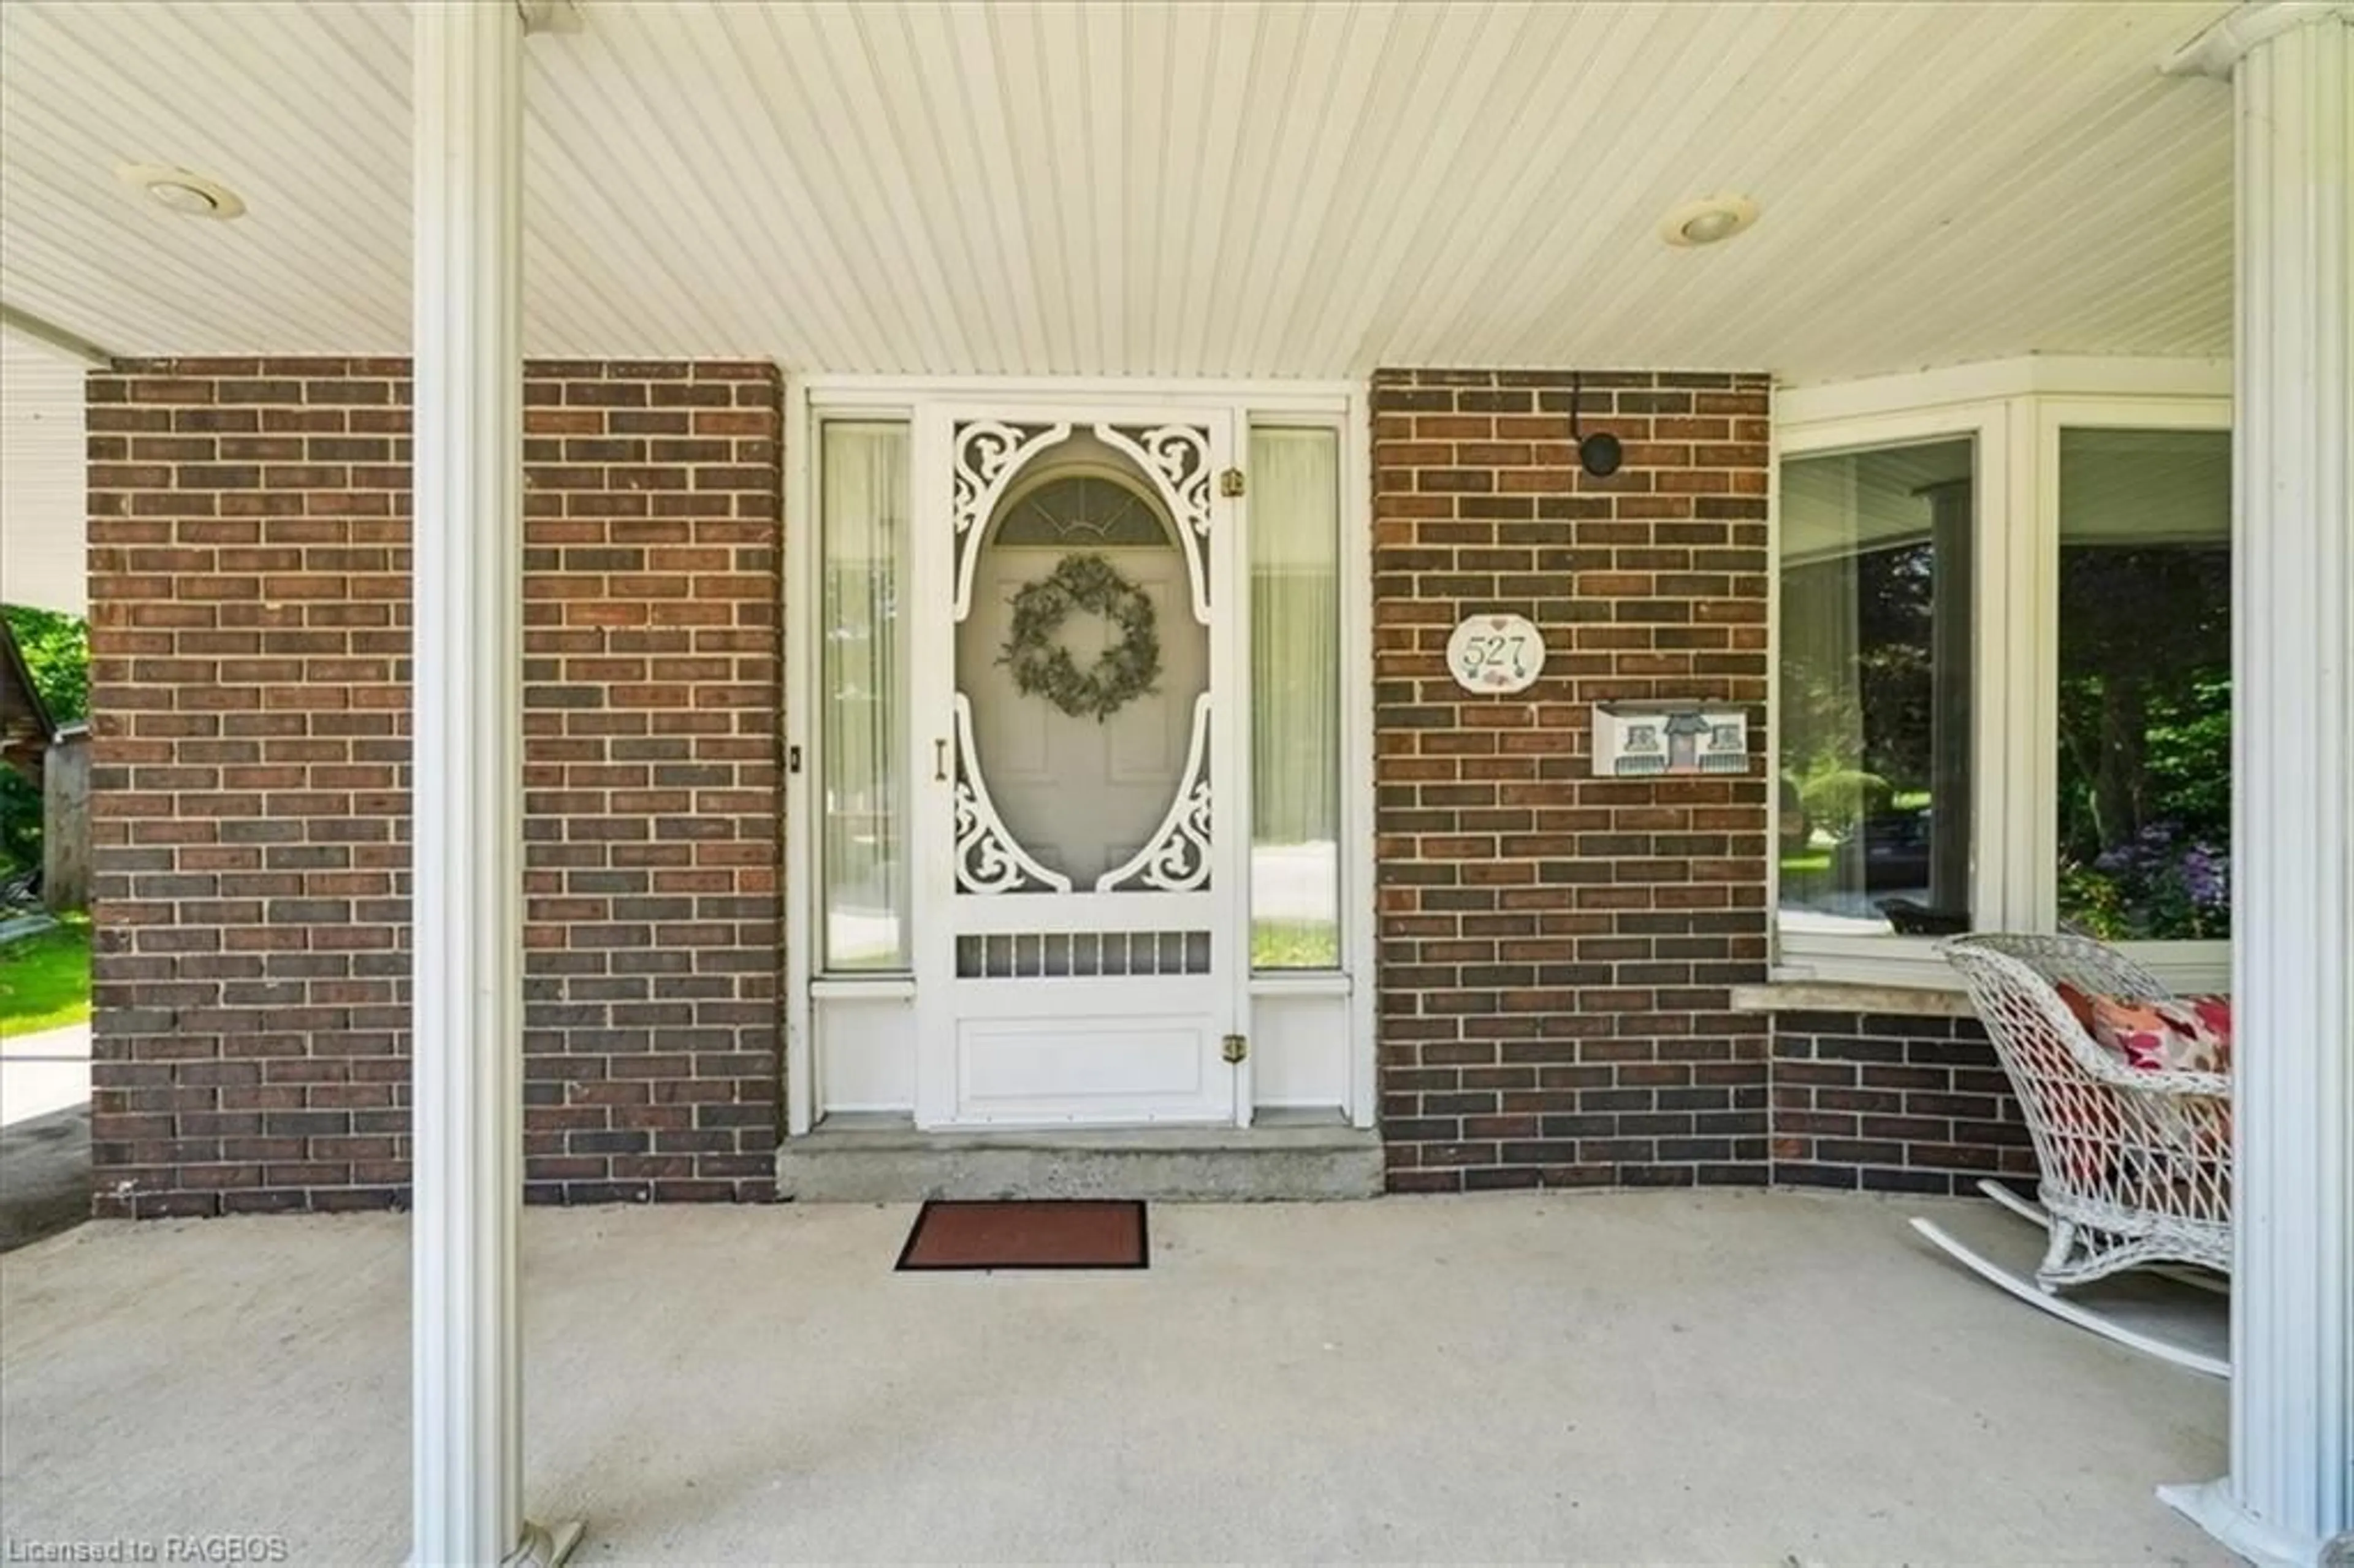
(863, 694)
(1295, 542)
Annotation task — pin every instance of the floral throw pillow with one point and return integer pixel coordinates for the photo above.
(2077, 1002)
(2186, 1035)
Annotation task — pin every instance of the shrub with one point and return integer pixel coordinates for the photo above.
(20, 824)
(1838, 800)
(2160, 884)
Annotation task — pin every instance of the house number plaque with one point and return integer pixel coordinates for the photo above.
(1498, 653)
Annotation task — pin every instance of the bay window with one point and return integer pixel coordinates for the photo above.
(2003, 659)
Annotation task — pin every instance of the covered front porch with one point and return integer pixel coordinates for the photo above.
(461, 839)
(1721, 1377)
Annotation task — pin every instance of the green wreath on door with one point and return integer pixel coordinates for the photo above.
(1042, 667)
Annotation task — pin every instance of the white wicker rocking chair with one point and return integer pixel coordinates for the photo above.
(2134, 1165)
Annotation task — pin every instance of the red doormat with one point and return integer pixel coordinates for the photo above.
(1027, 1234)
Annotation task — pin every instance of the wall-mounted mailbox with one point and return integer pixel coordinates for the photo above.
(1643, 740)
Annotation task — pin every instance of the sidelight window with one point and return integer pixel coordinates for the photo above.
(863, 696)
(1296, 735)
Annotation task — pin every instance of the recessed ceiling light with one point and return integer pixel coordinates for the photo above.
(1706, 221)
(177, 190)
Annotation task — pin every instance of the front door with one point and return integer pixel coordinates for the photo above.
(1076, 809)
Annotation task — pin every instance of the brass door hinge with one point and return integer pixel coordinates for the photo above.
(1230, 482)
(1237, 1048)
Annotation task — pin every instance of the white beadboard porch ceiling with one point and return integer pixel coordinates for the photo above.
(1162, 189)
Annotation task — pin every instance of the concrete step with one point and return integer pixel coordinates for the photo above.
(872, 1159)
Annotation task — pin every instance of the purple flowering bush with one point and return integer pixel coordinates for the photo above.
(2159, 885)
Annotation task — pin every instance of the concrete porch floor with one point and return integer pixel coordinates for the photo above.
(1725, 1377)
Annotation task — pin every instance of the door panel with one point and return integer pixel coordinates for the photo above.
(1105, 1065)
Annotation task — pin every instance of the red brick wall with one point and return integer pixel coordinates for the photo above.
(250, 628)
(1556, 948)
(1892, 1104)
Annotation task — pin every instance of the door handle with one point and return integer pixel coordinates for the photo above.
(940, 762)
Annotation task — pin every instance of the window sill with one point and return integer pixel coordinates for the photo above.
(880, 988)
(1901, 965)
(1890, 962)
(1834, 996)
(1299, 982)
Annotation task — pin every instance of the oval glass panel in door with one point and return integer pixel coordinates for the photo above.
(1091, 800)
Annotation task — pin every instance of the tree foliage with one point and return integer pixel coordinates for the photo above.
(57, 653)
(20, 824)
(1870, 713)
(2145, 739)
(2143, 708)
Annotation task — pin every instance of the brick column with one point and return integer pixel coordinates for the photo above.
(250, 591)
(1556, 950)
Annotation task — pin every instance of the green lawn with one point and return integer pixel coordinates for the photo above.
(1294, 945)
(45, 978)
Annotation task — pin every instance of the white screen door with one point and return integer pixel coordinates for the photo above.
(1076, 704)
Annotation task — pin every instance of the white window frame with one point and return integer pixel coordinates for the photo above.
(2187, 966)
(2013, 410)
(1345, 407)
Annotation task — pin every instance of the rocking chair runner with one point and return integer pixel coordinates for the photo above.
(2134, 1165)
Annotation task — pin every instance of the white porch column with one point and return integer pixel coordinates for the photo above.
(2291, 1489)
(467, 1450)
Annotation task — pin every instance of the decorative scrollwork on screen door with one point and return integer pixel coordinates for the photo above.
(988, 860)
(1176, 458)
(986, 455)
(1176, 859)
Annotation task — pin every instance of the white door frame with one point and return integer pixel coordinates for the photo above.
(1340, 405)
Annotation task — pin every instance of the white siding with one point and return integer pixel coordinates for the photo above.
(42, 516)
